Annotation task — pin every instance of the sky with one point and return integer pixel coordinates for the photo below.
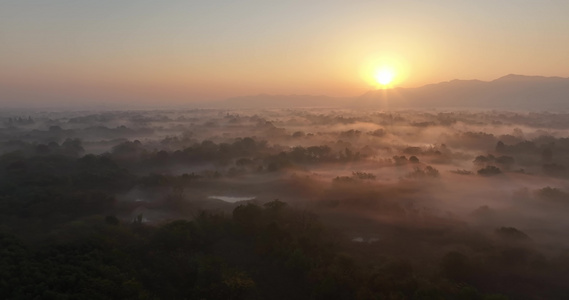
(173, 51)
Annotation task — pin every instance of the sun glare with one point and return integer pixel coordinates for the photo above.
(384, 72)
(384, 76)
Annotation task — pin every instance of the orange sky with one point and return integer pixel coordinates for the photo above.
(177, 51)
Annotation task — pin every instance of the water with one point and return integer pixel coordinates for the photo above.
(231, 199)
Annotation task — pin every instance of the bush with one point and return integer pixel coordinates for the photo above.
(489, 171)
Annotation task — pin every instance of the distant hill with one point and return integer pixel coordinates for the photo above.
(511, 91)
(508, 92)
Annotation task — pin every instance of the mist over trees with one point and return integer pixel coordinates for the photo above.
(284, 204)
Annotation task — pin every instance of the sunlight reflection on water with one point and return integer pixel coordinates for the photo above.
(231, 199)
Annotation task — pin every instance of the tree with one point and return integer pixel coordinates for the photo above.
(248, 216)
(511, 233)
(456, 266)
(501, 147)
(547, 155)
(489, 171)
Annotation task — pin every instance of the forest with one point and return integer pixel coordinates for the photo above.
(284, 204)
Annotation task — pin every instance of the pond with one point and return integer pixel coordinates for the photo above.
(231, 199)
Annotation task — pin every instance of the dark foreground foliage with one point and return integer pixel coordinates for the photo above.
(261, 252)
(60, 239)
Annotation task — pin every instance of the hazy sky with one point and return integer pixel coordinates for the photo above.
(55, 50)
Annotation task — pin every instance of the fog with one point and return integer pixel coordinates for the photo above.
(389, 181)
(249, 148)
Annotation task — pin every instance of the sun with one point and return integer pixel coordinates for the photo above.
(384, 71)
(384, 76)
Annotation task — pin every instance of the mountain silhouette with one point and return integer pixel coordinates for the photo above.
(507, 92)
(510, 91)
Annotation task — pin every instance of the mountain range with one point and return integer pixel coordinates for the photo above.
(507, 92)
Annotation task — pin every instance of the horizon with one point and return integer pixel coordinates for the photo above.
(141, 52)
(226, 102)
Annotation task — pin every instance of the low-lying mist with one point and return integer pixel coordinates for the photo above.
(411, 185)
